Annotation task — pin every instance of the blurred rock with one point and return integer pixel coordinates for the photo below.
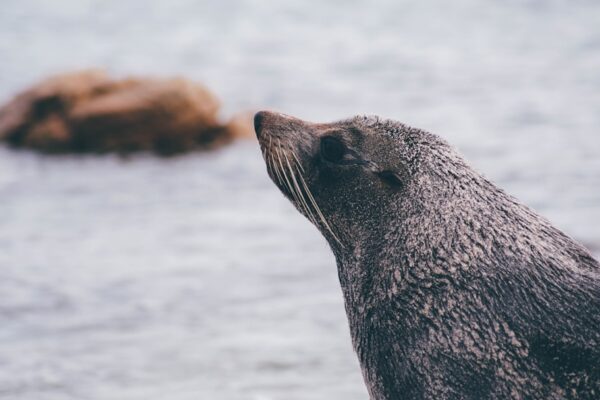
(241, 126)
(88, 111)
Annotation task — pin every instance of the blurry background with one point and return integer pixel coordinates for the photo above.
(192, 277)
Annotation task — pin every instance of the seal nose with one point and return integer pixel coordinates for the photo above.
(259, 118)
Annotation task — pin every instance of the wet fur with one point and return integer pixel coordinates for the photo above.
(453, 289)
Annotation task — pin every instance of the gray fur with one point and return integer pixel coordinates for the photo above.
(453, 289)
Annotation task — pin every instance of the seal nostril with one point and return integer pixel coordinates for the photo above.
(258, 121)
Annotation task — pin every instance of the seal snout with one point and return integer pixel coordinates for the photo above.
(259, 119)
(268, 120)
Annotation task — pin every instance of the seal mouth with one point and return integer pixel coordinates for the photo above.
(284, 166)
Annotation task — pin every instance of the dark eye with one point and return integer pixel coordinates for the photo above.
(332, 149)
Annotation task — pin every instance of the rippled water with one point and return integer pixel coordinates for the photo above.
(192, 277)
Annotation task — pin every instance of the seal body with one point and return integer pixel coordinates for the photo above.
(453, 289)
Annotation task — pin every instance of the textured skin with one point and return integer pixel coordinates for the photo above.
(453, 289)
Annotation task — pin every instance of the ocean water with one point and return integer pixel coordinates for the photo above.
(192, 277)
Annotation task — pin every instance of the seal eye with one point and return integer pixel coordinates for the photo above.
(332, 149)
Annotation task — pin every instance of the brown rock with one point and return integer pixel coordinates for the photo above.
(50, 134)
(89, 112)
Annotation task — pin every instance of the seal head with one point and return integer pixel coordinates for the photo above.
(339, 175)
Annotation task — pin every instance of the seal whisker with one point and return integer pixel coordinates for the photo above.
(300, 169)
(272, 164)
(318, 210)
(287, 184)
(275, 170)
(271, 168)
(308, 204)
(299, 191)
(297, 161)
(295, 194)
(262, 150)
(267, 161)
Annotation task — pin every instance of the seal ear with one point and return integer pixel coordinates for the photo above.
(390, 178)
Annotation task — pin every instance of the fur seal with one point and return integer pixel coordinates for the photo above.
(453, 289)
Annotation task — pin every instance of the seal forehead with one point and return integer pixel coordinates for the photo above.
(378, 125)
